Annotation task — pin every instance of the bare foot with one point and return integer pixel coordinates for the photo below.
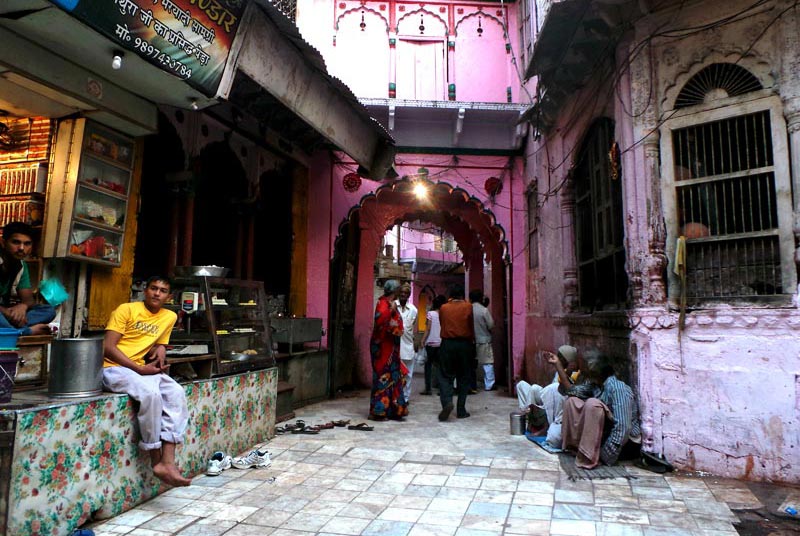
(169, 474)
(40, 329)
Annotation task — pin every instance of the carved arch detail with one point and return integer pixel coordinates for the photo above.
(356, 11)
(757, 66)
(426, 12)
(476, 14)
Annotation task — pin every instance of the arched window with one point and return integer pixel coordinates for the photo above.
(727, 189)
(599, 235)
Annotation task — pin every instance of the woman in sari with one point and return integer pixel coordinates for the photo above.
(388, 371)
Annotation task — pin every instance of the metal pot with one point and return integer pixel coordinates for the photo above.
(209, 271)
(517, 423)
(76, 368)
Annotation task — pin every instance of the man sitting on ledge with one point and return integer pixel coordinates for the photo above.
(17, 308)
(135, 365)
(602, 425)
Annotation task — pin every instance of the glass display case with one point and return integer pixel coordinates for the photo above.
(222, 325)
(94, 201)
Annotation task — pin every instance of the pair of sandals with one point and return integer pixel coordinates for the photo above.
(300, 427)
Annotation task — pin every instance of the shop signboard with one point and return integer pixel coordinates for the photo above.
(188, 38)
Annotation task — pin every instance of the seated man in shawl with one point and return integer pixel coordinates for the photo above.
(535, 399)
(603, 427)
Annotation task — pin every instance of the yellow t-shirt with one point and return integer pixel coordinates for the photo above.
(140, 330)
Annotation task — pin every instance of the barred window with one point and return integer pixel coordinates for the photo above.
(599, 234)
(729, 195)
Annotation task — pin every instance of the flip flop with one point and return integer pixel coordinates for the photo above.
(341, 423)
(361, 426)
(326, 426)
(298, 424)
(306, 430)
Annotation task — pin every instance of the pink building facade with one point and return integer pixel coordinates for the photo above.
(674, 133)
(441, 78)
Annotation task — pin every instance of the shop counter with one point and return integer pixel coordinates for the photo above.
(72, 460)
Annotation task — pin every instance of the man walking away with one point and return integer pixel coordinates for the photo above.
(456, 352)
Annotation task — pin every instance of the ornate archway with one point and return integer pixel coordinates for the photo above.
(452, 209)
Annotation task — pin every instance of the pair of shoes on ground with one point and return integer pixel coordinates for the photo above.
(220, 461)
(448, 409)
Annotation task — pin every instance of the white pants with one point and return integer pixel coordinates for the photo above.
(163, 415)
(488, 377)
(547, 398)
(409, 363)
(528, 394)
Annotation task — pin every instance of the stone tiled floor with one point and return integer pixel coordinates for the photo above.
(465, 477)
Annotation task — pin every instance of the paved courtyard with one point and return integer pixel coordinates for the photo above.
(465, 477)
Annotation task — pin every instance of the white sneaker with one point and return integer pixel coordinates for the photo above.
(255, 458)
(218, 462)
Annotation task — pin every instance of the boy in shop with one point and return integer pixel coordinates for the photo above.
(18, 309)
(135, 364)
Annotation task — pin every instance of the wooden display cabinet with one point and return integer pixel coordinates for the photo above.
(222, 326)
(85, 216)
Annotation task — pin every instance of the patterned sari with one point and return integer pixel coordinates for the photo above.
(388, 371)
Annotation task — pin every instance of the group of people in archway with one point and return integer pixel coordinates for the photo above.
(586, 409)
(458, 333)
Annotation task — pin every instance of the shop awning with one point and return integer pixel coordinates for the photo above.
(57, 60)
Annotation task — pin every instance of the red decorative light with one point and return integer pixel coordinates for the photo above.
(342, 5)
(493, 185)
(351, 182)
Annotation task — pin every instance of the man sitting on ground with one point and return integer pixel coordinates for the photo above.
(612, 414)
(135, 365)
(550, 399)
(17, 308)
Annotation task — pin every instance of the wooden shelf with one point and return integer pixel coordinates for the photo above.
(174, 359)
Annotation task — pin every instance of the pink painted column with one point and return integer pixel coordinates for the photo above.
(474, 262)
(365, 307)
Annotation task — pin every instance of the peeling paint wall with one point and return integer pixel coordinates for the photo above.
(722, 395)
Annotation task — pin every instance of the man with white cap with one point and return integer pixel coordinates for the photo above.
(551, 397)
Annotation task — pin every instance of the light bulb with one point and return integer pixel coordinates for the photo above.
(116, 62)
(194, 105)
(420, 190)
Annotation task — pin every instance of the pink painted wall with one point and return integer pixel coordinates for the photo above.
(421, 63)
(356, 49)
(488, 82)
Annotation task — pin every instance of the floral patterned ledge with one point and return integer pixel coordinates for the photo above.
(80, 460)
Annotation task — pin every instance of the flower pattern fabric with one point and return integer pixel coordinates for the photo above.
(79, 460)
(388, 371)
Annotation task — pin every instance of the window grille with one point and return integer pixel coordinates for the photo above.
(728, 78)
(727, 207)
(599, 235)
(287, 7)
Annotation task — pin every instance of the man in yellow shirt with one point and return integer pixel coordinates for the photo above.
(135, 365)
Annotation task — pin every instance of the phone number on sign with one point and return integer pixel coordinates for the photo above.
(164, 59)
